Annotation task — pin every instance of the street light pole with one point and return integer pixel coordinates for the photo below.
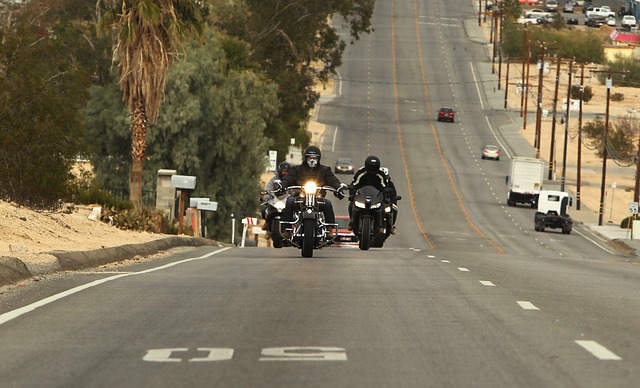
(604, 153)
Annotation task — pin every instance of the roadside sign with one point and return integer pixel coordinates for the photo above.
(633, 207)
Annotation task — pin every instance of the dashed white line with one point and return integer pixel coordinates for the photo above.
(599, 351)
(462, 269)
(445, 261)
(487, 283)
(527, 305)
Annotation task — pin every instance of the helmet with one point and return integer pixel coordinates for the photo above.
(312, 156)
(372, 163)
(283, 169)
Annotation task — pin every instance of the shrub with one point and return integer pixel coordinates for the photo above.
(576, 93)
(617, 97)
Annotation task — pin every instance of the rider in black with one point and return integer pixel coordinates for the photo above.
(372, 174)
(312, 170)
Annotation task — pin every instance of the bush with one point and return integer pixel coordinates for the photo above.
(617, 97)
(627, 223)
(152, 221)
(576, 93)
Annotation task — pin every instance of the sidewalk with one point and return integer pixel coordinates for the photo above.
(611, 232)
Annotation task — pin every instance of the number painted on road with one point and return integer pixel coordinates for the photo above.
(288, 353)
(167, 355)
(304, 353)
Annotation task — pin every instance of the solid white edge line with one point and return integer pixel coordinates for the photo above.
(599, 351)
(595, 243)
(475, 80)
(496, 137)
(10, 315)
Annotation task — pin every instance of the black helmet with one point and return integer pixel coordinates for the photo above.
(372, 163)
(283, 169)
(312, 151)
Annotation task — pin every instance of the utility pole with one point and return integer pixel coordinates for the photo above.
(506, 86)
(579, 170)
(539, 107)
(525, 57)
(605, 132)
(566, 129)
(552, 147)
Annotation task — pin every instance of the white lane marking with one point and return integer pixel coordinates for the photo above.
(304, 353)
(599, 351)
(475, 80)
(527, 305)
(10, 315)
(445, 261)
(487, 283)
(333, 142)
(162, 355)
(599, 246)
(462, 269)
(431, 256)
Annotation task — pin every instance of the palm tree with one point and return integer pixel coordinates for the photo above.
(148, 36)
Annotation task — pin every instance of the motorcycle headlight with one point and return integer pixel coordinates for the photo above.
(376, 205)
(359, 204)
(310, 187)
(280, 205)
(387, 209)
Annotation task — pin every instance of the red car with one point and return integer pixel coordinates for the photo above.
(344, 236)
(446, 114)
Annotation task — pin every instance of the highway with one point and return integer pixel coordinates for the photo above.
(465, 295)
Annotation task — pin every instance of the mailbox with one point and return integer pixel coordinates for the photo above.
(183, 182)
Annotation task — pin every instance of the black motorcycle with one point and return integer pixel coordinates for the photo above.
(308, 230)
(371, 217)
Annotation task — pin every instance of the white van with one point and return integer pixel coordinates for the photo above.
(551, 6)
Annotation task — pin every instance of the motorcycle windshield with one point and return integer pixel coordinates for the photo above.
(369, 191)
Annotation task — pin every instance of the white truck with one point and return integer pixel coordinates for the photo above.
(552, 211)
(525, 181)
(600, 13)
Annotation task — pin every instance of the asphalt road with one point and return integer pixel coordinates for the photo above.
(467, 294)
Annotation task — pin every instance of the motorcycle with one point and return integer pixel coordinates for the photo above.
(372, 217)
(273, 216)
(308, 230)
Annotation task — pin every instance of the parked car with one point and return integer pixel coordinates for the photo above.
(446, 114)
(594, 22)
(572, 21)
(551, 6)
(628, 21)
(535, 12)
(529, 20)
(344, 236)
(344, 166)
(568, 8)
(611, 21)
(491, 152)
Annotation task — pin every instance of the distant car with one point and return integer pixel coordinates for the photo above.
(611, 21)
(572, 21)
(491, 152)
(344, 236)
(568, 8)
(628, 21)
(535, 12)
(551, 6)
(446, 114)
(344, 166)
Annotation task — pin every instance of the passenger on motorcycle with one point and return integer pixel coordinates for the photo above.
(312, 170)
(282, 170)
(372, 174)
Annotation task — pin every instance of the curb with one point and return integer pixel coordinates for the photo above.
(13, 269)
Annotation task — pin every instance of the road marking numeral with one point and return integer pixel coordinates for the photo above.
(289, 353)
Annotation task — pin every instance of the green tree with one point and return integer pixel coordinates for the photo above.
(42, 88)
(211, 126)
(585, 93)
(297, 46)
(149, 34)
(621, 137)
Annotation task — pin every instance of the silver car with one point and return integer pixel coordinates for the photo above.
(491, 152)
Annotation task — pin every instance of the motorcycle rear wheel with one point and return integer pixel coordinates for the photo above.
(308, 227)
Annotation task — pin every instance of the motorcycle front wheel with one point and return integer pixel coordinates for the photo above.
(308, 227)
(276, 234)
(365, 234)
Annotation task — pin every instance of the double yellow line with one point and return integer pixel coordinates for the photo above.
(426, 236)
